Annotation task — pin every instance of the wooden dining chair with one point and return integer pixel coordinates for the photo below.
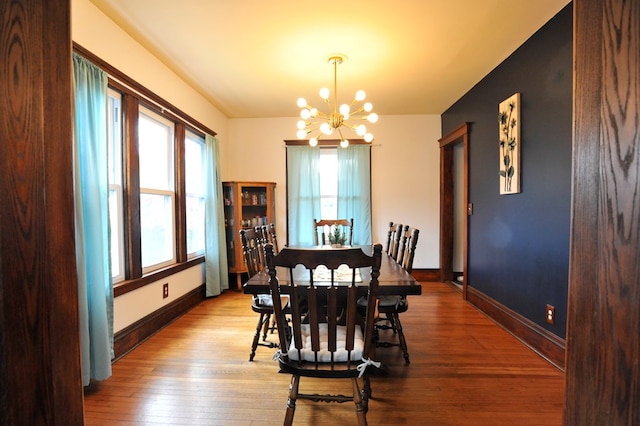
(322, 238)
(327, 338)
(402, 244)
(394, 235)
(253, 244)
(390, 307)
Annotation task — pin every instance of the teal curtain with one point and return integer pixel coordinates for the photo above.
(216, 269)
(95, 288)
(303, 189)
(354, 190)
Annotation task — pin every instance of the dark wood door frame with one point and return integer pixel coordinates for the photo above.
(447, 143)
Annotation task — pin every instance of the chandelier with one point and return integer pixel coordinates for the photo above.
(317, 123)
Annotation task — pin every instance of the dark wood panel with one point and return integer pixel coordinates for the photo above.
(39, 352)
(603, 343)
(465, 370)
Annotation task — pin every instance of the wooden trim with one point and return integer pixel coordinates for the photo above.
(426, 275)
(458, 135)
(40, 369)
(127, 339)
(324, 142)
(180, 236)
(543, 342)
(129, 285)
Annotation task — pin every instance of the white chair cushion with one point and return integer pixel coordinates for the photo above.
(265, 300)
(324, 355)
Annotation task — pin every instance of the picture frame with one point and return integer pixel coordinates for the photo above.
(509, 144)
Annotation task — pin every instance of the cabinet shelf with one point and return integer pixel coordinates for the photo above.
(246, 205)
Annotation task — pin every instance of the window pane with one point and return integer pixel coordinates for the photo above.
(194, 175)
(329, 183)
(155, 147)
(195, 224)
(116, 211)
(156, 220)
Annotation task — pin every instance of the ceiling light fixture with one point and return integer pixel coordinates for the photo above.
(325, 123)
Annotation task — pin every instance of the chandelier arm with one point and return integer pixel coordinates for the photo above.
(335, 85)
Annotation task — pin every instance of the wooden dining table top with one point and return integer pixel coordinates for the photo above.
(393, 279)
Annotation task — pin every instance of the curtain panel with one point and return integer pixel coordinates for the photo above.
(303, 189)
(354, 190)
(216, 268)
(95, 288)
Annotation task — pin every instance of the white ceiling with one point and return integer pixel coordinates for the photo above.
(254, 58)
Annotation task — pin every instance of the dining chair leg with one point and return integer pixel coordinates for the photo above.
(291, 402)
(361, 409)
(265, 327)
(403, 342)
(262, 322)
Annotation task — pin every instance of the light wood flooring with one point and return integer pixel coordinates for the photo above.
(465, 370)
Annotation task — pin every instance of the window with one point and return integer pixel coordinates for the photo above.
(156, 176)
(114, 155)
(157, 190)
(329, 183)
(194, 156)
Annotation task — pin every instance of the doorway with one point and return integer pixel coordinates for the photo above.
(454, 207)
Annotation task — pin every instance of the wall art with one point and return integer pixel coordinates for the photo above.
(509, 120)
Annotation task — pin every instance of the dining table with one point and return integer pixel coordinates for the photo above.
(393, 279)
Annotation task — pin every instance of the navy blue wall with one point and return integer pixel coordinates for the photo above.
(519, 243)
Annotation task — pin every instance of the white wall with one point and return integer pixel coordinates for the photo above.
(405, 168)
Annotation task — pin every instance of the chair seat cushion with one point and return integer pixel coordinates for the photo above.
(266, 301)
(383, 301)
(341, 354)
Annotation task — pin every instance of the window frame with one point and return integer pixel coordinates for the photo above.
(197, 138)
(168, 191)
(133, 95)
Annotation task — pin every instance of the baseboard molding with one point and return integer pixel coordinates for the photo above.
(543, 342)
(427, 275)
(130, 337)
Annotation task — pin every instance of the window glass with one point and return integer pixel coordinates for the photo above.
(195, 189)
(329, 182)
(116, 210)
(157, 193)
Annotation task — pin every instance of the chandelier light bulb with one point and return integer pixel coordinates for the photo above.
(373, 117)
(301, 124)
(305, 114)
(324, 93)
(314, 112)
(302, 102)
(344, 143)
(368, 137)
(367, 107)
(361, 130)
(301, 134)
(360, 95)
(344, 110)
(313, 141)
(326, 128)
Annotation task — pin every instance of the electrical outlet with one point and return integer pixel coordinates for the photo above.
(165, 290)
(551, 314)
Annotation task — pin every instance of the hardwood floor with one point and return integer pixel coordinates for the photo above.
(465, 370)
